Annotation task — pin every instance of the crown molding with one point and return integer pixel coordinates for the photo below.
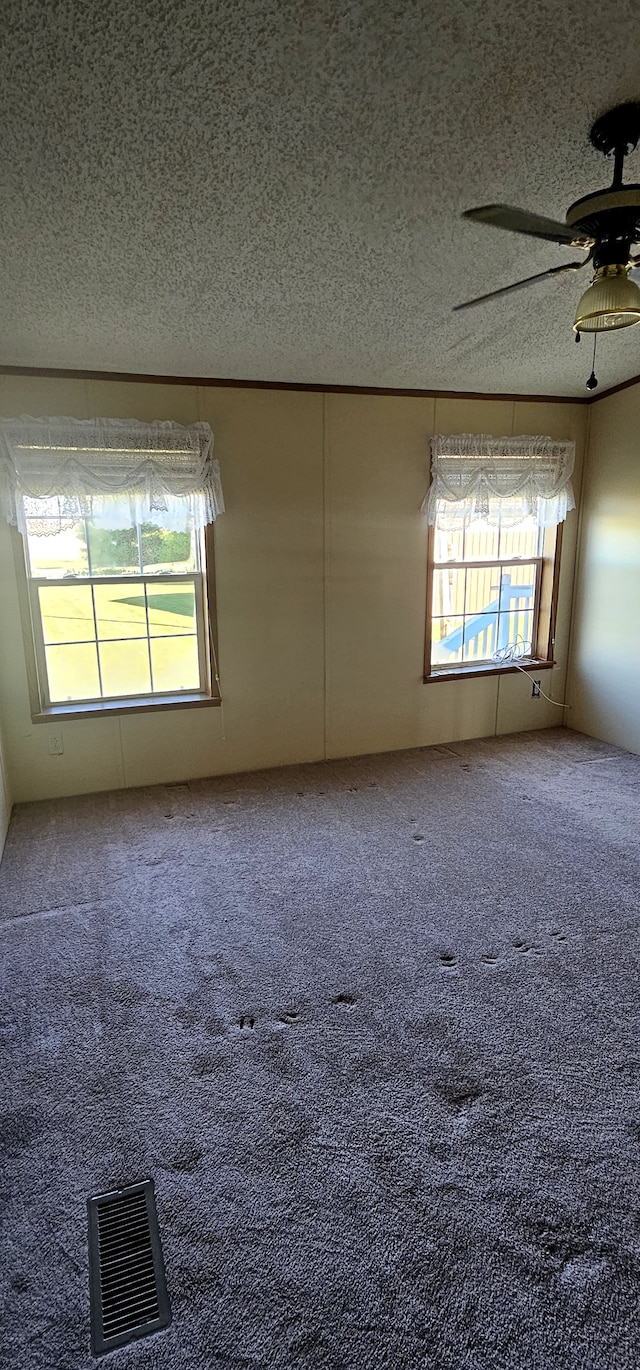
(138, 378)
(142, 378)
(613, 390)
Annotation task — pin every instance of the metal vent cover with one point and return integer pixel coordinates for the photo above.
(126, 1270)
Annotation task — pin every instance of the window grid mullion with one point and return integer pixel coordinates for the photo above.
(89, 641)
(162, 578)
(464, 614)
(95, 629)
(499, 617)
(494, 563)
(146, 614)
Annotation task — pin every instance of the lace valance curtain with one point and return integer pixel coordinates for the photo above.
(499, 480)
(110, 469)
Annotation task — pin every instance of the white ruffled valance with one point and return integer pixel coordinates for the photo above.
(112, 469)
(499, 480)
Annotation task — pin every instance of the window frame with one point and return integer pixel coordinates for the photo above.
(207, 696)
(545, 612)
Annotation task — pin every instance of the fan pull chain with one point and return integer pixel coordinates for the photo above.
(592, 381)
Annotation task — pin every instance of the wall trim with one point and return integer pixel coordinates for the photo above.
(138, 378)
(613, 390)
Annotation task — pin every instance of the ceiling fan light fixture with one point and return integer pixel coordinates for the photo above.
(611, 301)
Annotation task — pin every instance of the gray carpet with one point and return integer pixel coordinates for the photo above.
(421, 1148)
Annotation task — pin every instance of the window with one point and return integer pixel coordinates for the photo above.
(494, 553)
(117, 612)
(487, 597)
(119, 584)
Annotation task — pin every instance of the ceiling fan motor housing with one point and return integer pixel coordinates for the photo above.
(612, 219)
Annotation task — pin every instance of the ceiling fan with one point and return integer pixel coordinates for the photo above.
(605, 225)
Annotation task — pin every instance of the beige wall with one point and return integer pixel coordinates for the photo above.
(605, 657)
(5, 797)
(321, 577)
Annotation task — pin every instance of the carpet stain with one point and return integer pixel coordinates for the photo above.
(278, 1058)
(187, 1017)
(125, 991)
(344, 998)
(186, 1158)
(442, 1151)
(207, 1064)
(19, 1130)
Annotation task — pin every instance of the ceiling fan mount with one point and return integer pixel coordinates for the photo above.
(605, 224)
(617, 130)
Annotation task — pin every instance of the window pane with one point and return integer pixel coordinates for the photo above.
(114, 551)
(175, 663)
(125, 668)
(73, 672)
(446, 641)
(120, 610)
(481, 541)
(480, 631)
(448, 592)
(448, 544)
(521, 541)
(162, 542)
(515, 630)
(172, 609)
(56, 547)
(67, 613)
(169, 548)
(482, 589)
(519, 584)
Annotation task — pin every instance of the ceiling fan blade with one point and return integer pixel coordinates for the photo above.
(521, 285)
(520, 221)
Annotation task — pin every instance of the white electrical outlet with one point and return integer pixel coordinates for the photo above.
(56, 745)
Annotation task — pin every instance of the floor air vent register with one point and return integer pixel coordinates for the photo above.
(126, 1269)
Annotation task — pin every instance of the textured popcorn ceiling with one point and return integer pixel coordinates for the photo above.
(272, 190)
